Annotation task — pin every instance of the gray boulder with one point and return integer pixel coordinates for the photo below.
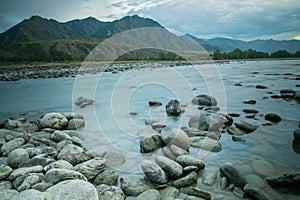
(174, 169)
(169, 193)
(106, 192)
(11, 145)
(91, 168)
(41, 138)
(132, 185)
(186, 160)
(31, 195)
(13, 124)
(149, 194)
(72, 115)
(207, 122)
(54, 120)
(72, 189)
(174, 108)
(206, 143)
(83, 102)
(204, 100)
(59, 136)
(273, 117)
(28, 182)
(23, 171)
(55, 176)
(75, 124)
(73, 154)
(175, 136)
(41, 160)
(185, 181)
(255, 193)
(200, 193)
(285, 180)
(61, 164)
(107, 177)
(9, 194)
(150, 143)
(154, 172)
(16, 157)
(4, 171)
(233, 175)
(245, 126)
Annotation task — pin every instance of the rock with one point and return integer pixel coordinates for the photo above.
(72, 115)
(106, 192)
(233, 175)
(245, 126)
(146, 132)
(199, 193)
(158, 126)
(55, 176)
(177, 151)
(250, 116)
(212, 109)
(31, 195)
(297, 134)
(73, 154)
(13, 124)
(186, 160)
(4, 185)
(255, 181)
(238, 139)
(175, 136)
(235, 131)
(9, 194)
(155, 103)
(11, 145)
(108, 177)
(154, 172)
(174, 108)
(23, 171)
(273, 117)
(204, 100)
(209, 176)
(42, 186)
(75, 124)
(168, 193)
(114, 159)
(4, 171)
(287, 93)
(168, 153)
(207, 122)
(41, 138)
(150, 143)
(255, 193)
(54, 120)
(16, 157)
(296, 146)
(261, 87)
(59, 136)
(192, 132)
(61, 164)
(14, 134)
(223, 183)
(187, 180)
(250, 102)
(91, 168)
(83, 102)
(206, 144)
(174, 169)
(250, 111)
(149, 194)
(263, 167)
(132, 185)
(234, 114)
(285, 180)
(38, 160)
(72, 189)
(28, 182)
(189, 169)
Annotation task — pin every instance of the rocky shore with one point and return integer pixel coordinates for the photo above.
(47, 159)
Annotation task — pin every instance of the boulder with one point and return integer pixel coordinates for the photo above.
(245, 126)
(235, 131)
(13, 124)
(207, 122)
(114, 159)
(199, 193)
(106, 192)
(31, 195)
(16, 157)
(61, 164)
(177, 151)
(72, 189)
(41, 138)
(91, 168)
(108, 177)
(23, 171)
(174, 169)
(75, 124)
(11, 145)
(169, 193)
(233, 175)
(83, 102)
(174, 108)
(285, 180)
(209, 176)
(72, 115)
(41, 160)
(255, 193)
(187, 160)
(28, 182)
(54, 120)
(154, 172)
(206, 144)
(185, 181)
(238, 139)
(149, 194)
(150, 143)
(4, 171)
(59, 136)
(155, 103)
(9, 194)
(132, 185)
(204, 100)
(175, 136)
(55, 176)
(273, 117)
(73, 154)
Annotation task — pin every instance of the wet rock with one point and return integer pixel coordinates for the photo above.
(55, 176)
(132, 185)
(261, 87)
(11, 145)
(168, 153)
(9, 194)
(234, 114)
(14, 134)
(83, 102)
(168, 193)
(212, 109)
(186, 160)
(233, 175)
(174, 108)
(287, 93)
(150, 143)
(250, 102)
(59, 136)
(263, 168)
(204, 100)
(4, 185)
(177, 151)
(245, 126)
(273, 117)
(192, 132)
(223, 183)
(72, 189)
(91, 168)
(297, 134)
(187, 180)
(149, 194)
(4, 171)
(238, 139)
(158, 126)
(209, 176)
(175, 136)
(189, 169)
(42, 186)
(107, 177)
(114, 159)
(154, 172)
(73, 154)
(16, 157)
(54, 120)
(75, 124)
(255, 181)
(23, 171)
(206, 144)
(207, 122)
(247, 110)
(31, 195)
(4, 133)
(28, 182)
(285, 180)
(41, 138)
(174, 169)
(13, 124)
(155, 103)
(20, 180)
(235, 131)
(41, 160)
(72, 115)
(106, 192)
(255, 193)
(61, 164)
(200, 193)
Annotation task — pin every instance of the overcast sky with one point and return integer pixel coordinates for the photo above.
(239, 19)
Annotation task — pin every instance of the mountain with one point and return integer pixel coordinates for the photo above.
(269, 46)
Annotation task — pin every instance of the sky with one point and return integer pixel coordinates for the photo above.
(237, 19)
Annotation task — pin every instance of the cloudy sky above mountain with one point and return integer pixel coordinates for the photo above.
(239, 19)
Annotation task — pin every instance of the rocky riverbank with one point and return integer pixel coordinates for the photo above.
(47, 159)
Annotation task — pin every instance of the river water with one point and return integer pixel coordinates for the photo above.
(121, 109)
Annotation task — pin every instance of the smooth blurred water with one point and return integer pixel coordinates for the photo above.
(110, 124)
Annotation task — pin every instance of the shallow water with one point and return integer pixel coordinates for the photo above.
(109, 124)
